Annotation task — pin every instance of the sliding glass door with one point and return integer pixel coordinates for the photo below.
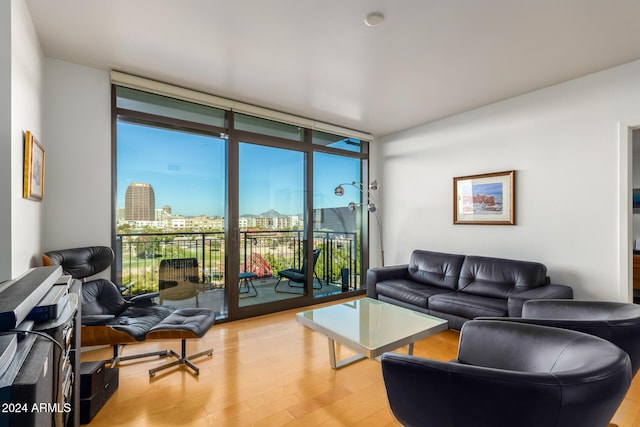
(337, 222)
(271, 224)
(170, 215)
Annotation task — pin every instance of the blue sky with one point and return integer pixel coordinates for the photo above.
(490, 189)
(187, 172)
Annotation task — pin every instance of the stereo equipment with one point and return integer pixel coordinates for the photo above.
(39, 349)
(51, 305)
(27, 385)
(19, 296)
(8, 347)
(61, 330)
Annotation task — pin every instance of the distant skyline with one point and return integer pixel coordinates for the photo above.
(187, 172)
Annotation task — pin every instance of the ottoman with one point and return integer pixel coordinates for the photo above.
(183, 324)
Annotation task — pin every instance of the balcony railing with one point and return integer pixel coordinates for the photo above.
(138, 256)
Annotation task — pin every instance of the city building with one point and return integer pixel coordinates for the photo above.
(139, 202)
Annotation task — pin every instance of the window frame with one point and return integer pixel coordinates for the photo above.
(231, 214)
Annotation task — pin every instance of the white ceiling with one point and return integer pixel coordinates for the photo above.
(316, 58)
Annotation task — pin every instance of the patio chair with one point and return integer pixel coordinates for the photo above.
(299, 275)
(179, 279)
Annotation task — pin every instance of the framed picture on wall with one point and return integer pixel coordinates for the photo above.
(485, 199)
(636, 200)
(33, 182)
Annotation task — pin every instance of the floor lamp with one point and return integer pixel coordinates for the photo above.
(371, 205)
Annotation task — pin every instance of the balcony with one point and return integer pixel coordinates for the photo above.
(140, 257)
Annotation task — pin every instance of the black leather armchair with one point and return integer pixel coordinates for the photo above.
(107, 317)
(511, 374)
(110, 319)
(616, 322)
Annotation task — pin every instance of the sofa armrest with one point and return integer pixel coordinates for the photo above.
(378, 274)
(516, 301)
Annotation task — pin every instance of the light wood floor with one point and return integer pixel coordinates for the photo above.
(269, 371)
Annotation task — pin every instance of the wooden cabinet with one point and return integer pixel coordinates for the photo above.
(636, 272)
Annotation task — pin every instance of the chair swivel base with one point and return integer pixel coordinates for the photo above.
(117, 356)
(182, 360)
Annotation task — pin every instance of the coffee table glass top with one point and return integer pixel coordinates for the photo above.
(371, 326)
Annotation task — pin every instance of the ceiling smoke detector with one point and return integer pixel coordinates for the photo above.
(374, 18)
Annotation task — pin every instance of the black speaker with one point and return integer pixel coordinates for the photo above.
(89, 406)
(33, 388)
(91, 377)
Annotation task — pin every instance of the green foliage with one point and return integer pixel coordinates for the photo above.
(277, 264)
(124, 229)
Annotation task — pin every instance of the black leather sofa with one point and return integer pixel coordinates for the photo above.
(459, 288)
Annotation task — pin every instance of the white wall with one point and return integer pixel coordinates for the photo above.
(635, 181)
(562, 141)
(25, 114)
(5, 140)
(68, 108)
(77, 123)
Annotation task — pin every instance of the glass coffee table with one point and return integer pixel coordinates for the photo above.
(369, 327)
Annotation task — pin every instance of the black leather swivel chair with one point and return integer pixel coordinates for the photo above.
(511, 374)
(616, 322)
(107, 317)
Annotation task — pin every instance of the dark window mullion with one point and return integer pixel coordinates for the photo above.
(167, 122)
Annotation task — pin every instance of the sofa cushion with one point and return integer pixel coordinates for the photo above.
(435, 268)
(468, 306)
(498, 278)
(408, 291)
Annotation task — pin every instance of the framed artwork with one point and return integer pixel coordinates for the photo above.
(485, 199)
(636, 200)
(33, 185)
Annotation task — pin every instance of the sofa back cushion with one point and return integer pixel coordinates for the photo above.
(499, 278)
(435, 268)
